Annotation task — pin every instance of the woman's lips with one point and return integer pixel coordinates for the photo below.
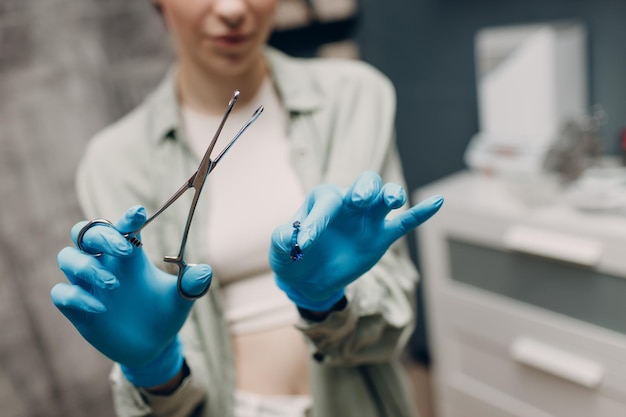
(229, 40)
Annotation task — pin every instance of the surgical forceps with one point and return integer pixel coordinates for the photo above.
(196, 181)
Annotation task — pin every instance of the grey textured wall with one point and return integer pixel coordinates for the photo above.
(67, 68)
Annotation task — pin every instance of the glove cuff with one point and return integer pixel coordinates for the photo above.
(325, 303)
(160, 370)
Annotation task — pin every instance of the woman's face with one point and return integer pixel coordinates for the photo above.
(223, 38)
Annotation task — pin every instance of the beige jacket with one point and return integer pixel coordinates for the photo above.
(340, 123)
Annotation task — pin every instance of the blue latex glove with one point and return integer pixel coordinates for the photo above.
(123, 304)
(343, 234)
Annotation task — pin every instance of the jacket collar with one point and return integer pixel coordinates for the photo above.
(297, 90)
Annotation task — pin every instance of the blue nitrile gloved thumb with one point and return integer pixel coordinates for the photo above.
(342, 234)
(123, 304)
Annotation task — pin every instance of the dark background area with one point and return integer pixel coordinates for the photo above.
(70, 67)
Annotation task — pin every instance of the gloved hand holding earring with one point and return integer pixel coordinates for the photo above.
(341, 235)
(122, 304)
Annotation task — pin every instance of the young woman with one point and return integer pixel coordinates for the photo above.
(273, 336)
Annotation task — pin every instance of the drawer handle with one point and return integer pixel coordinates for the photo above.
(548, 244)
(557, 362)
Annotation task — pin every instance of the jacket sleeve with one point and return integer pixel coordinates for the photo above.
(189, 400)
(130, 401)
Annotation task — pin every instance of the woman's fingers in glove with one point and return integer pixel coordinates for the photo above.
(406, 221)
(74, 301)
(132, 220)
(326, 202)
(101, 238)
(85, 270)
(369, 193)
(323, 204)
(391, 196)
(105, 238)
(196, 280)
(364, 191)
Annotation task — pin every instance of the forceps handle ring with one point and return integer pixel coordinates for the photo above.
(179, 261)
(83, 230)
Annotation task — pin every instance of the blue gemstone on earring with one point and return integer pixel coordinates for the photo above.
(296, 253)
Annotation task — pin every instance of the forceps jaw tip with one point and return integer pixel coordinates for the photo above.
(234, 98)
(258, 111)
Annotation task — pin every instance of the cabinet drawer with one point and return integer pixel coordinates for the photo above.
(468, 397)
(552, 363)
(575, 291)
(533, 388)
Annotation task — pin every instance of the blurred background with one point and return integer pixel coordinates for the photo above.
(70, 67)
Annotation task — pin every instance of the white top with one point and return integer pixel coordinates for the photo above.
(252, 191)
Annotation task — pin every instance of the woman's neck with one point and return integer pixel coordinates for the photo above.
(209, 93)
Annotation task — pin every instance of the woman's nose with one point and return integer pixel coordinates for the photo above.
(231, 12)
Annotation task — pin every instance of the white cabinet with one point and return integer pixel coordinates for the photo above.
(525, 305)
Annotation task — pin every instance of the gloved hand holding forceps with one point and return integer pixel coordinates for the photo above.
(126, 307)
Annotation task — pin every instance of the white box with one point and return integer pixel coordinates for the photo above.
(531, 81)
